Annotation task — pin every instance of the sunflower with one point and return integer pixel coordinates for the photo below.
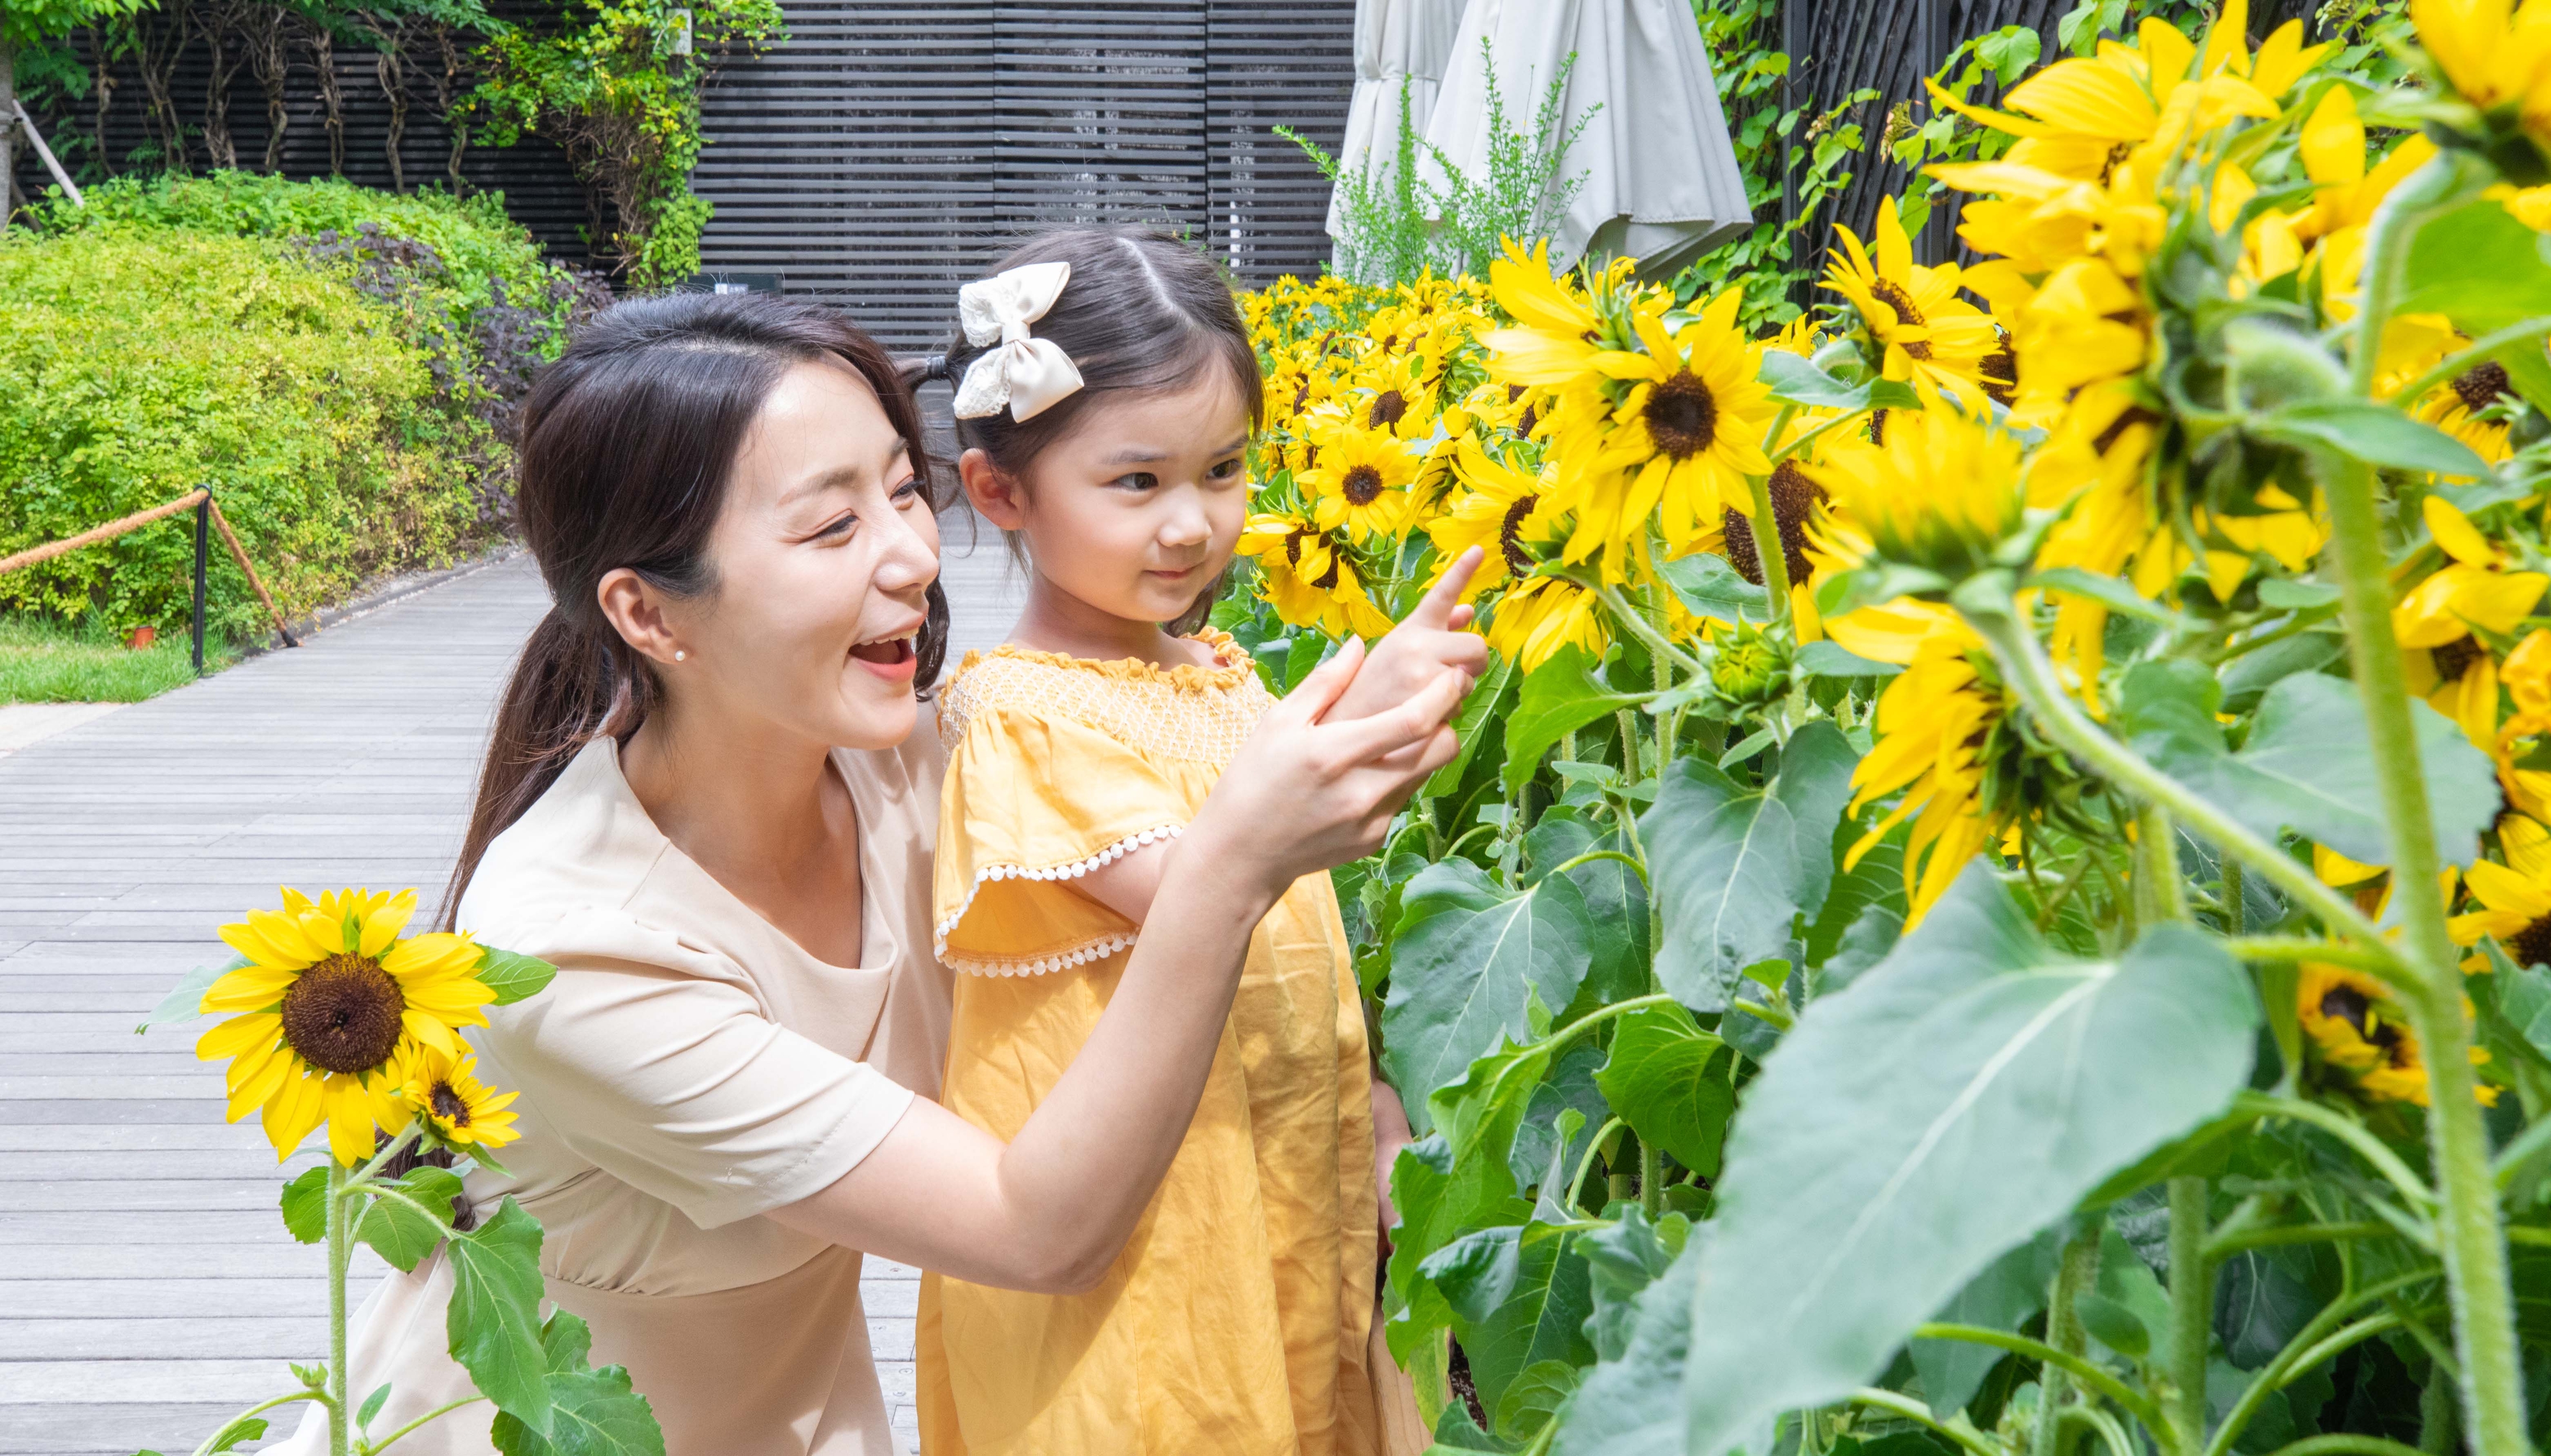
(1306, 574)
(2350, 1017)
(462, 1110)
(2456, 408)
(1503, 511)
(2474, 590)
(1543, 614)
(1931, 725)
(2495, 54)
(1926, 332)
(335, 1006)
(2085, 115)
(1552, 342)
(1359, 481)
(1940, 494)
(1402, 402)
(1685, 433)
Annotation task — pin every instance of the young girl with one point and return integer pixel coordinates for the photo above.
(1107, 392)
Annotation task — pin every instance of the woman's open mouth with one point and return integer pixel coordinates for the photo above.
(890, 657)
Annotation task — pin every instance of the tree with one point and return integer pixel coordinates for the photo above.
(25, 22)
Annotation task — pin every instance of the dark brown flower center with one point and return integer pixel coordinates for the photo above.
(1794, 499)
(2483, 384)
(2531, 946)
(1510, 536)
(1886, 291)
(1682, 416)
(1523, 425)
(2346, 1003)
(1302, 396)
(1388, 407)
(2455, 658)
(2116, 153)
(2001, 370)
(450, 1106)
(1878, 427)
(1362, 486)
(343, 1014)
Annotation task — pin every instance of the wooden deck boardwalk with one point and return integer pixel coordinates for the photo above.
(146, 1285)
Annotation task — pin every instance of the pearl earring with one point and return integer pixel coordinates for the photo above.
(679, 656)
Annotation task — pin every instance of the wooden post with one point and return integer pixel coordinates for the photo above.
(203, 540)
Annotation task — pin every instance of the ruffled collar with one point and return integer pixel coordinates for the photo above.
(1231, 669)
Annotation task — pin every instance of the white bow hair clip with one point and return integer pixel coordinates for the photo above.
(1030, 376)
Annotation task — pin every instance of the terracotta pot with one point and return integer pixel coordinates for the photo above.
(140, 637)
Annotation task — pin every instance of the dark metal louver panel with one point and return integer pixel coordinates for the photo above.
(891, 151)
(1271, 65)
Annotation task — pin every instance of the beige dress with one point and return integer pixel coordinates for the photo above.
(690, 1070)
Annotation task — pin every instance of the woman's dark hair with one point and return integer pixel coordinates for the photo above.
(628, 441)
(1143, 313)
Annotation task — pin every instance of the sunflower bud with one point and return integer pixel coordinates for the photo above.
(1751, 667)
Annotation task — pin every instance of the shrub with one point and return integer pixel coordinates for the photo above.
(142, 361)
(464, 282)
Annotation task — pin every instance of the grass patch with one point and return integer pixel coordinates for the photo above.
(56, 662)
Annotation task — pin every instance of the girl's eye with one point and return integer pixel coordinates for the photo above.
(1138, 481)
(1227, 469)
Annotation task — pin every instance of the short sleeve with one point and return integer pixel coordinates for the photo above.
(672, 1079)
(1029, 804)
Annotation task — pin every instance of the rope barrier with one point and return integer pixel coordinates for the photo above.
(108, 532)
(200, 497)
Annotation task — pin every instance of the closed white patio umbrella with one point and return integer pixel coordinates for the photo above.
(1396, 40)
(1661, 180)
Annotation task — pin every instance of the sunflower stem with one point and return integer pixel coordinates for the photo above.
(2076, 1274)
(2028, 673)
(1769, 550)
(2158, 894)
(1641, 628)
(2191, 1309)
(340, 1246)
(2469, 1240)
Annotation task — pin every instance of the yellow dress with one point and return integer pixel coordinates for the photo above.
(1236, 1320)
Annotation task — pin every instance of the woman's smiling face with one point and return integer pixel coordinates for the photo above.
(824, 554)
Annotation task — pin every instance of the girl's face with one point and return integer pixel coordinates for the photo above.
(824, 551)
(1136, 511)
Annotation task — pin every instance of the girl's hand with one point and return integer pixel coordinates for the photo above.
(1433, 638)
(1306, 792)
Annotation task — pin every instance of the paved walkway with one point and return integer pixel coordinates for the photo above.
(148, 1288)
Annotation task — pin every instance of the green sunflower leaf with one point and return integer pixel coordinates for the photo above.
(1959, 1096)
(2478, 266)
(1519, 1295)
(1670, 1080)
(305, 1205)
(2003, 1296)
(405, 1226)
(494, 1321)
(2374, 433)
(1487, 697)
(1633, 1405)
(1710, 587)
(1734, 867)
(2306, 761)
(1559, 697)
(595, 1413)
(185, 1002)
(511, 976)
(1466, 958)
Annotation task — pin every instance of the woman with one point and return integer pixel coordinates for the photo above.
(705, 801)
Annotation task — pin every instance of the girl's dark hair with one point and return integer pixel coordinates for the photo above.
(1143, 313)
(628, 441)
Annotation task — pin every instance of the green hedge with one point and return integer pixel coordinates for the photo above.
(141, 362)
(341, 364)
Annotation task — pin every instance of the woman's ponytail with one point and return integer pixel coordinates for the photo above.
(627, 442)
